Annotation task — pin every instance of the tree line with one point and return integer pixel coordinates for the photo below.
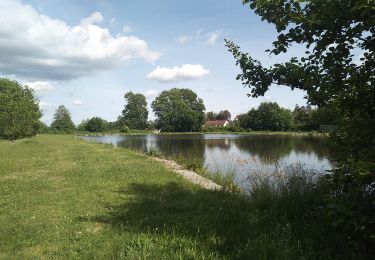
(176, 110)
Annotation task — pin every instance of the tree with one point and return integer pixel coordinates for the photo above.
(178, 110)
(135, 112)
(19, 111)
(112, 126)
(268, 116)
(42, 128)
(62, 121)
(82, 126)
(337, 68)
(302, 118)
(306, 118)
(327, 115)
(96, 124)
(224, 115)
(210, 116)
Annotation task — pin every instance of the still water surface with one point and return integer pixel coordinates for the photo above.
(240, 155)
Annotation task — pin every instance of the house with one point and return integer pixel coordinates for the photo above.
(217, 123)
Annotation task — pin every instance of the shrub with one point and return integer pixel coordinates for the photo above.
(124, 129)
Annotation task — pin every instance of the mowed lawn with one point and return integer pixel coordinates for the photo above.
(61, 197)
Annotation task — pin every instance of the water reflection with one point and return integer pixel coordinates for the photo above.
(272, 148)
(228, 153)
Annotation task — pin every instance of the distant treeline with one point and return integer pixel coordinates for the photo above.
(270, 116)
(176, 110)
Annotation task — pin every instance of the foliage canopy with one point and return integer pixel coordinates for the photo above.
(135, 112)
(95, 124)
(268, 116)
(62, 121)
(178, 110)
(224, 115)
(19, 111)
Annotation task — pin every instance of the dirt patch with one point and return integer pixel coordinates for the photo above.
(190, 175)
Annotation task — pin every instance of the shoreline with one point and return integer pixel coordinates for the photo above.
(315, 134)
(189, 175)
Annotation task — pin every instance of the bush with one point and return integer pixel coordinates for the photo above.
(350, 205)
(234, 127)
(208, 129)
(124, 129)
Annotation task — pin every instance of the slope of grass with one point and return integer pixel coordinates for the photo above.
(64, 198)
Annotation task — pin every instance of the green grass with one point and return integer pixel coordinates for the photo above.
(63, 198)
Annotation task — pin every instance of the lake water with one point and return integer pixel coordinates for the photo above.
(240, 155)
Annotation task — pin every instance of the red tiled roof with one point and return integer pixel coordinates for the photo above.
(215, 123)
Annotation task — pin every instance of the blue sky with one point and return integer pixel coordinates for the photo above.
(86, 54)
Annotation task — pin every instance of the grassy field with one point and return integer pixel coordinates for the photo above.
(64, 198)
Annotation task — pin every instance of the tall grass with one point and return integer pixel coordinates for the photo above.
(293, 197)
(291, 191)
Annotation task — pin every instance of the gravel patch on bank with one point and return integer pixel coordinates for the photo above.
(190, 175)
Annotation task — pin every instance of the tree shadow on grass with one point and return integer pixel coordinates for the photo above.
(223, 223)
(220, 220)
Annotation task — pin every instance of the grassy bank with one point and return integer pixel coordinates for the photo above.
(65, 198)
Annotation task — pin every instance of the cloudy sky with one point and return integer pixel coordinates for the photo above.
(85, 54)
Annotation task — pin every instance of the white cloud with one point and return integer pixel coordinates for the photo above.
(268, 99)
(77, 102)
(39, 85)
(94, 18)
(176, 74)
(151, 93)
(43, 105)
(38, 47)
(184, 39)
(126, 29)
(212, 38)
(48, 109)
(199, 36)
